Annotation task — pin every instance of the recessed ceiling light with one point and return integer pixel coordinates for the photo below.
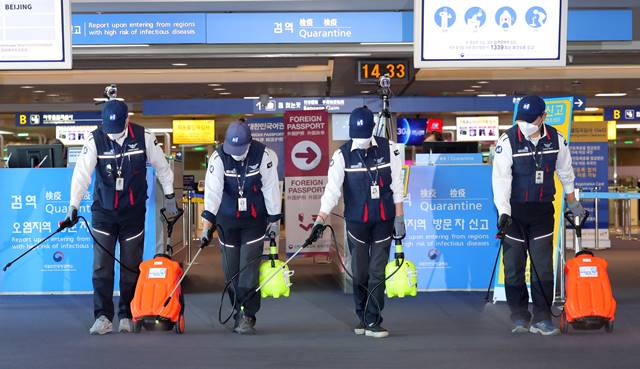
(26, 87)
(179, 64)
(469, 90)
(39, 91)
(476, 86)
(251, 97)
(130, 113)
(365, 92)
(53, 95)
(591, 109)
(225, 93)
(487, 95)
(215, 84)
(220, 89)
(483, 82)
(611, 94)
(501, 95)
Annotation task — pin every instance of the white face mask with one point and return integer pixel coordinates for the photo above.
(362, 143)
(117, 136)
(528, 129)
(240, 157)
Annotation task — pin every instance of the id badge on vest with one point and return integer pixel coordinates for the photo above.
(539, 177)
(375, 192)
(242, 204)
(119, 184)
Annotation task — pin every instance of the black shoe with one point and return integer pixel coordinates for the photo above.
(376, 331)
(359, 330)
(245, 325)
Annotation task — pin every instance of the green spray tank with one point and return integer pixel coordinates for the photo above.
(275, 276)
(401, 275)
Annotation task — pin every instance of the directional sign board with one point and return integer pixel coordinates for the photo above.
(621, 114)
(307, 142)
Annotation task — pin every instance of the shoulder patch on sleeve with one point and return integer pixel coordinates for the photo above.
(270, 164)
(396, 152)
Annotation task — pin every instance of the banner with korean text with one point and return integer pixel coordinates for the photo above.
(33, 201)
(306, 163)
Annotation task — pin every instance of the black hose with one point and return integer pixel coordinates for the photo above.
(370, 295)
(104, 248)
(533, 266)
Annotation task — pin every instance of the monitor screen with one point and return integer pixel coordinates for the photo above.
(444, 147)
(36, 156)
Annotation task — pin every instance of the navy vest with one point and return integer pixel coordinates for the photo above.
(132, 158)
(528, 158)
(358, 205)
(234, 172)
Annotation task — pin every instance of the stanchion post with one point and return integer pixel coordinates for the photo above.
(597, 228)
(190, 220)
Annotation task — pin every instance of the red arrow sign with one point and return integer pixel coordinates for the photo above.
(311, 155)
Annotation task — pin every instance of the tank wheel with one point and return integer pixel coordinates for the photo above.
(564, 325)
(179, 326)
(137, 326)
(608, 326)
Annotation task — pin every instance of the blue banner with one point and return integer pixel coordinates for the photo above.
(451, 226)
(409, 104)
(591, 166)
(600, 25)
(33, 201)
(280, 28)
(139, 28)
(312, 27)
(270, 131)
(622, 114)
(78, 118)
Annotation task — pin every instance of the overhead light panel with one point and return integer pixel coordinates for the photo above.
(611, 94)
(22, 134)
(39, 91)
(214, 85)
(483, 82)
(487, 95)
(225, 93)
(476, 86)
(591, 109)
(179, 64)
(26, 87)
(469, 90)
(251, 97)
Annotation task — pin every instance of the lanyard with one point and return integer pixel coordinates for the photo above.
(537, 155)
(243, 177)
(115, 157)
(374, 182)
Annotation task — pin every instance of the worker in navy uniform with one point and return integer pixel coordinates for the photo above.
(367, 170)
(118, 152)
(527, 156)
(243, 199)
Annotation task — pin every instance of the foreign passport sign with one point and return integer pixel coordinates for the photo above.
(306, 143)
(194, 132)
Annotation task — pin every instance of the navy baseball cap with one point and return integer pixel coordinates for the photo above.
(530, 108)
(237, 139)
(361, 123)
(114, 116)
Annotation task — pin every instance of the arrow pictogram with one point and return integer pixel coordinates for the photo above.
(310, 155)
